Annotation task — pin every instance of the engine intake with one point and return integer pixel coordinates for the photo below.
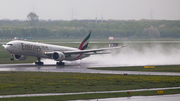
(20, 57)
(58, 56)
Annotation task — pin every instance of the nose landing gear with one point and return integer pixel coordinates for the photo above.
(12, 57)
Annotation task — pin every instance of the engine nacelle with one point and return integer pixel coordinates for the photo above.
(58, 56)
(20, 57)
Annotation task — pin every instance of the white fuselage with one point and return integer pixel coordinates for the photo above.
(38, 49)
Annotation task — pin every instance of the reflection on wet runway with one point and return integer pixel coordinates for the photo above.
(77, 67)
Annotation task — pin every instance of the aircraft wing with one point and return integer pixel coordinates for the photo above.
(87, 51)
(91, 50)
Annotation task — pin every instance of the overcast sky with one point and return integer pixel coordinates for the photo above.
(89, 9)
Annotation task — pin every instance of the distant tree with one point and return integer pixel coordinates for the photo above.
(33, 18)
(151, 32)
(91, 25)
(114, 26)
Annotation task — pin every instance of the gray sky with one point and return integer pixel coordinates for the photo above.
(88, 9)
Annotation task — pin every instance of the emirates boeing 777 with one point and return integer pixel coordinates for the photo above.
(21, 49)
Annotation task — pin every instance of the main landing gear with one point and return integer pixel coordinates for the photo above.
(60, 63)
(39, 62)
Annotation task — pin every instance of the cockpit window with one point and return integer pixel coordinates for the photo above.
(10, 44)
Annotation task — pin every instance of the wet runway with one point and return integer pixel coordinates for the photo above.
(76, 67)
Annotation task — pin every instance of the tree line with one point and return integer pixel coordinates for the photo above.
(132, 29)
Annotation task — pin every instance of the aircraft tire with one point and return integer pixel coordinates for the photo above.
(60, 63)
(39, 63)
(12, 59)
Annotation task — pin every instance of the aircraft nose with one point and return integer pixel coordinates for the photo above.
(4, 46)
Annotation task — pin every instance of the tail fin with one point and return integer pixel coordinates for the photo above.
(84, 43)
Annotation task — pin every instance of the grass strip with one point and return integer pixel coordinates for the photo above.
(56, 82)
(92, 96)
(162, 68)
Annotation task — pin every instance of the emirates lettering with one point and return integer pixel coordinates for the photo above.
(33, 47)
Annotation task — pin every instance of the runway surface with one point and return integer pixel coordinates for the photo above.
(76, 67)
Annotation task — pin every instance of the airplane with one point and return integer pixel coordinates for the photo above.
(21, 49)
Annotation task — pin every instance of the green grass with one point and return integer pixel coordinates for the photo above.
(46, 82)
(91, 96)
(163, 68)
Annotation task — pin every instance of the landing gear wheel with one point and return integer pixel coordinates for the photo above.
(39, 62)
(12, 58)
(60, 63)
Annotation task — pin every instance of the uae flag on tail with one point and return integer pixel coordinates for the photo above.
(84, 43)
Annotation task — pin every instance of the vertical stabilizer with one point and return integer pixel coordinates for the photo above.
(84, 43)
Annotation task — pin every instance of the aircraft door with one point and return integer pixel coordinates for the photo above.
(19, 46)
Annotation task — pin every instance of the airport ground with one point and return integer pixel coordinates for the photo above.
(29, 82)
(47, 82)
(90, 96)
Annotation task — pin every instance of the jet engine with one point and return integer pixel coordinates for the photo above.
(58, 56)
(20, 57)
